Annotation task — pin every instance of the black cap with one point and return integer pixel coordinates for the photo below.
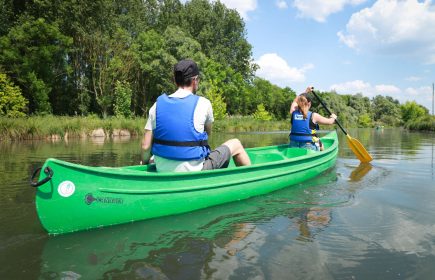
(185, 69)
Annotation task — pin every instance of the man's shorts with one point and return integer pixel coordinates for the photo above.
(218, 158)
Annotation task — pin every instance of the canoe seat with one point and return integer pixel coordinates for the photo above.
(258, 157)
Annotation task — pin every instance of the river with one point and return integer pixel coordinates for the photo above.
(355, 221)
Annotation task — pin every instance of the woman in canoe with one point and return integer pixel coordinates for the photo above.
(178, 127)
(305, 123)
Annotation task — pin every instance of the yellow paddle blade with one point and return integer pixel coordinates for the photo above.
(358, 149)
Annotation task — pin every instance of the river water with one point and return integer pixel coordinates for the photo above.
(355, 221)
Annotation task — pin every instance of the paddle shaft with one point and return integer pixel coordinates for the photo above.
(326, 108)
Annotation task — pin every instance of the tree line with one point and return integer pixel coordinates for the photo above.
(114, 58)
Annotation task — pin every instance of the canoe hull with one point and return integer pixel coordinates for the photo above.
(80, 198)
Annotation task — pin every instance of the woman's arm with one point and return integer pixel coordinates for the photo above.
(294, 106)
(317, 118)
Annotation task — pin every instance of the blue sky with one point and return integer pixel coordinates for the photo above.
(382, 47)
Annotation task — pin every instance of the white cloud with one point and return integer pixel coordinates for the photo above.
(387, 90)
(422, 95)
(275, 69)
(359, 86)
(319, 10)
(393, 27)
(352, 87)
(281, 4)
(242, 6)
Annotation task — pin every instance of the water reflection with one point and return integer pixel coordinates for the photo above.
(356, 221)
(359, 172)
(188, 246)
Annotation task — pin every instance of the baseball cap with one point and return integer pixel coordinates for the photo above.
(185, 69)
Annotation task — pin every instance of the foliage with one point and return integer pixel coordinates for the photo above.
(412, 111)
(365, 120)
(34, 52)
(387, 110)
(261, 113)
(67, 56)
(123, 93)
(41, 127)
(214, 94)
(12, 103)
(426, 123)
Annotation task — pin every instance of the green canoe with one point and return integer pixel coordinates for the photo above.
(72, 197)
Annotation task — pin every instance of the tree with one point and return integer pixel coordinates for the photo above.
(221, 33)
(154, 70)
(33, 53)
(412, 111)
(122, 102)
(386, 110)
(12, 103)
(365, 120)
(261, 113)
(213, 93)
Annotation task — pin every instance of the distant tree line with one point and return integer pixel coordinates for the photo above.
(114, 58)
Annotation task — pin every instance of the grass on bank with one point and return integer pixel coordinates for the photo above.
(426, 123)
(42, 127)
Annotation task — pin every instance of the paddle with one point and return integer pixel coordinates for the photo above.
(356, 147)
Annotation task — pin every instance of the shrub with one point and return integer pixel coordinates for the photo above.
(12, 103)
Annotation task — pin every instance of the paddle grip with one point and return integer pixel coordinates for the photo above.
(329, 112)
(48, 171)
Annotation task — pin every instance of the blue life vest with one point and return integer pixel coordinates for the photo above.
(175, 136)
(302, 130)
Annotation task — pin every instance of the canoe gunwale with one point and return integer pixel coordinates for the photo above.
(216, 185)
(114, 171)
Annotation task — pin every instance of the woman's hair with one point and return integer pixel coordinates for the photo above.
(302, 102)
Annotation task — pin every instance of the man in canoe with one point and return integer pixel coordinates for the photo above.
(178, 126)
(305, 123)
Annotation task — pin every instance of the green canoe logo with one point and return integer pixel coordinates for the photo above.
(89, 199)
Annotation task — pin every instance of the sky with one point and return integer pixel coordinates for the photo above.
(384, 47)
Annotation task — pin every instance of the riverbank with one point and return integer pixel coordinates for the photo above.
(426, 123)
(62, 127)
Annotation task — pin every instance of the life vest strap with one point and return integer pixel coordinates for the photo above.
(202, 143)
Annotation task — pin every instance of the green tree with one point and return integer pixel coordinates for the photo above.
(12, 103)
(34, 53)
(154, 74)
(213, 93)
(262, 114)
(122, 102)
(365, 120)
(221, 33)
(386, 110)
(412, 111)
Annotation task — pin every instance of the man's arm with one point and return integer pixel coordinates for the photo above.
(294, 106)
(147, 142)
(207, 128)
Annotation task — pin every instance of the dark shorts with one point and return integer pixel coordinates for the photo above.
(218, 158)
